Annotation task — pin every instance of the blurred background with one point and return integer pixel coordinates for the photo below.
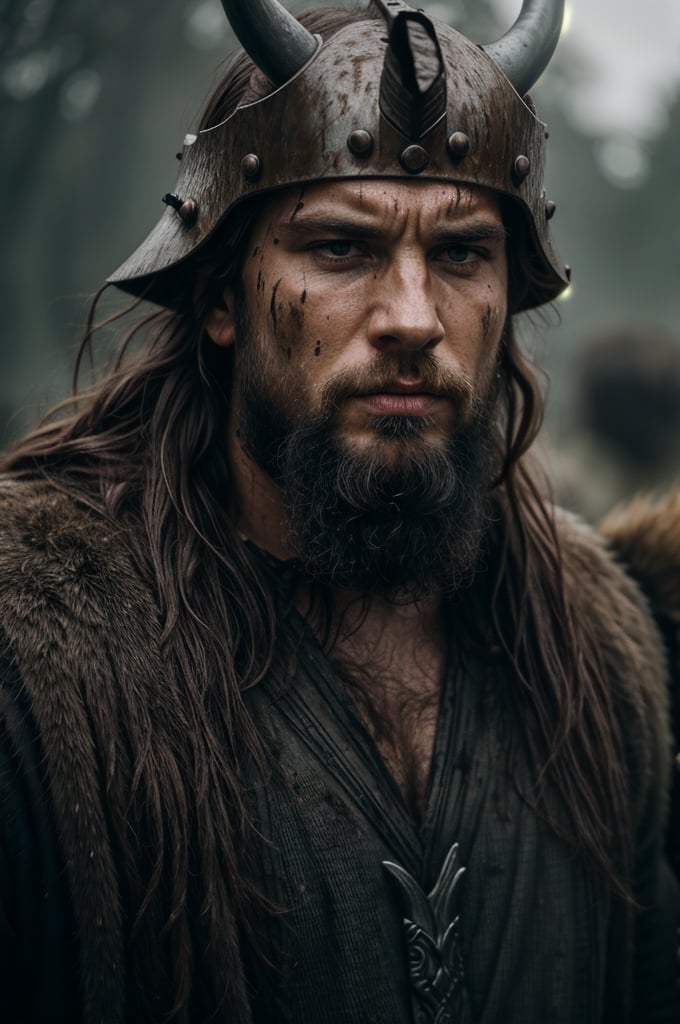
(96, 97)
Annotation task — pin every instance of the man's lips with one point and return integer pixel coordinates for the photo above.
(402, 400)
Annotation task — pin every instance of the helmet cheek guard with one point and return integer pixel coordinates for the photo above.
(402, 96)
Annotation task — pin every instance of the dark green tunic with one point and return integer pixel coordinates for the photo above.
(539, 943)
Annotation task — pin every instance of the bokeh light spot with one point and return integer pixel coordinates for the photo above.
(623, 162)
(79, 94)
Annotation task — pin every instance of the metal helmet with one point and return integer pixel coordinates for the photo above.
(398, 96)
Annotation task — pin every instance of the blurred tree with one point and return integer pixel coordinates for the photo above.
(94, 100)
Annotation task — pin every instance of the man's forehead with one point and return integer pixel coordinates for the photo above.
(383, 198)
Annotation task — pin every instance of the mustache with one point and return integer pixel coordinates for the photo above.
(385, 372)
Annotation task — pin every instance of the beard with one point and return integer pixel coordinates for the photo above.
(404, 516)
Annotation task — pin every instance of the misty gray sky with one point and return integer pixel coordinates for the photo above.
(632, 55)
(629, 53)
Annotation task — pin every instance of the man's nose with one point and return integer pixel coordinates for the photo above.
(404, 313)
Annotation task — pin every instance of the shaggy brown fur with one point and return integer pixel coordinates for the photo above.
(83, 628)
(645, 534)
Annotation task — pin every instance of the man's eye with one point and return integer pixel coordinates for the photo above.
(338, 248)
(459, 253)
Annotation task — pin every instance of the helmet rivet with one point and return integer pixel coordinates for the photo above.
(188, 211)
(521, 168)
(251, 167)
(414, 159)
(360, 142)
(459, 145)
(567, 271)
(550, 208)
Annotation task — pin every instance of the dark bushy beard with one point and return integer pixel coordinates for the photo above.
(406, 528)
(404, 518)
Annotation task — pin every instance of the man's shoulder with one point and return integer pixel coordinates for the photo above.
(645, 535)
(601, 586)
(626, 573)
(45, 521)
(604, 589)
(59, 555)
(35, 511)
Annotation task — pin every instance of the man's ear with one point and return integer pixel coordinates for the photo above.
(220, 323)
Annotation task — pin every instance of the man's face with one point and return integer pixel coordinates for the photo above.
(368, 332)
(389, 295)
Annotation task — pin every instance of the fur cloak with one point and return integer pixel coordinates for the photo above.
(645, 536)
(81, 625)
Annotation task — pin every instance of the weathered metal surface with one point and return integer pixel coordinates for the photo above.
(276, 41)
(360, 142)
(251, 166)
(414, 159)
(300, 134)
(459, 145)
(524, 52)
(521, 168)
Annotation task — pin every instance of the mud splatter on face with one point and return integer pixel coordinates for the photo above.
(486, 321)
(295, 316)
(260, 282)
(256, 251)
(317, 347)
(272, 303)
(299, 206)
(276, 241)
(303, 297)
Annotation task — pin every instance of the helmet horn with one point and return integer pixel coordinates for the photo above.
(524, 52)
(275, 40)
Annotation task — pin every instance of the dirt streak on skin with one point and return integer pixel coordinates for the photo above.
(295, 315)
(486, 321)
(272, 304)
(299, 206)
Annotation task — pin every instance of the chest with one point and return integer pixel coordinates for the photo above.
(397, 695)
(332, 820)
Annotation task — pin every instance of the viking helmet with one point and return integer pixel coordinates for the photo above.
(399, 96)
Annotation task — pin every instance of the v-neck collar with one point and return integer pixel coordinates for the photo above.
(319, 710)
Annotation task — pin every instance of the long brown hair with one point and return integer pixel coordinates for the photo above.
(145, 446)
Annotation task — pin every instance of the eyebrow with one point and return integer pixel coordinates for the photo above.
(473, 230)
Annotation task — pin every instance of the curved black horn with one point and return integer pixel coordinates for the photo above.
(275, 40)
(524, 52)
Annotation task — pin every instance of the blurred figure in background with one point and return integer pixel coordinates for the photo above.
(624, 431)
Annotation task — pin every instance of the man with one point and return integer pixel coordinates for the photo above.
(312, 710)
